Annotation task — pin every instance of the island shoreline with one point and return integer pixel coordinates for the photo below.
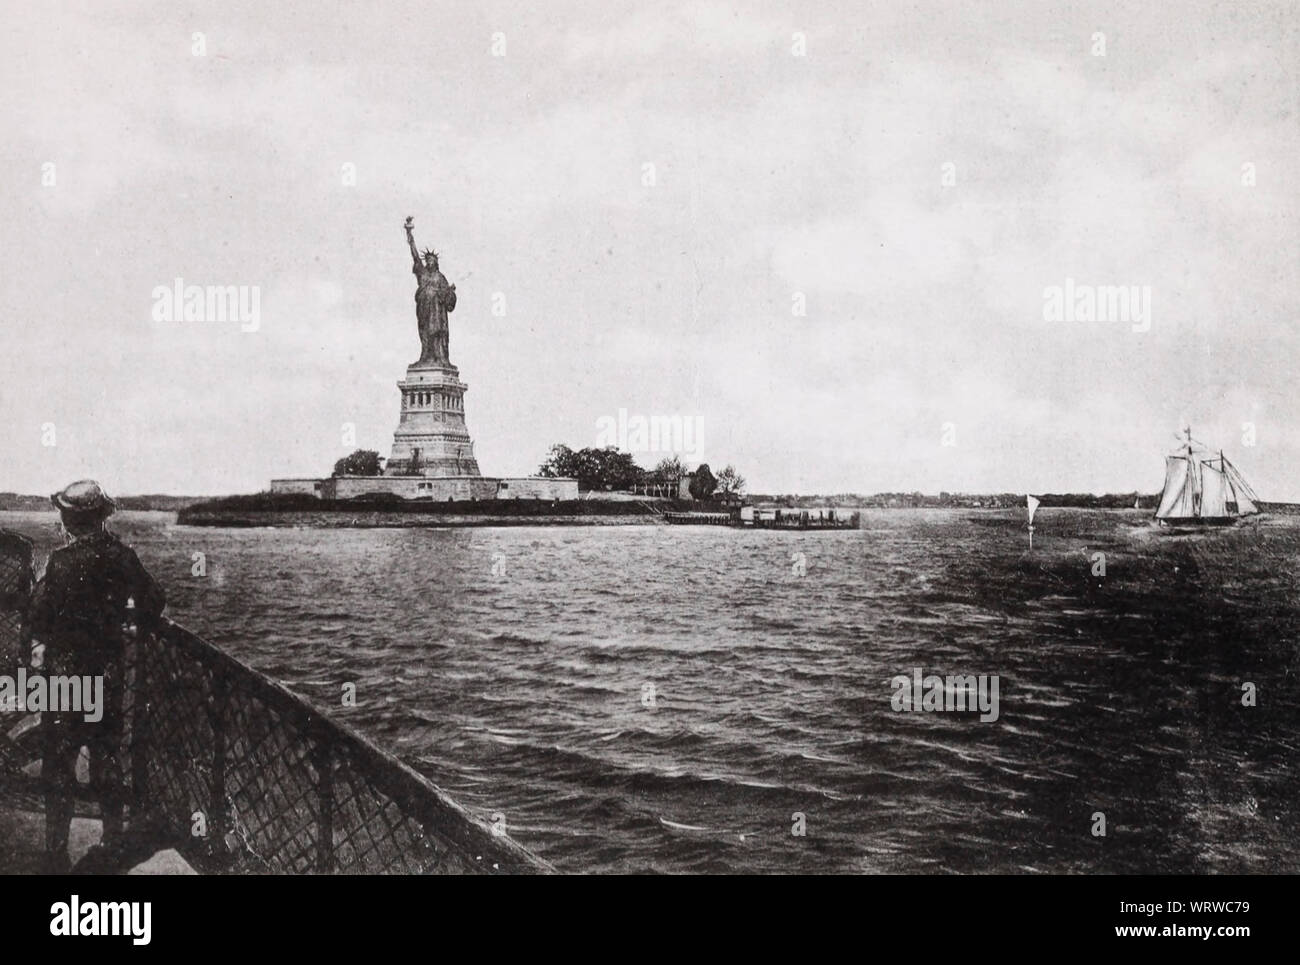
(402, 520)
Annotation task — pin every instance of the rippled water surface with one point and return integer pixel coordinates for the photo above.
(667, 698)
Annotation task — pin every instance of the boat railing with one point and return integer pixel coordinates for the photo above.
(237, 773)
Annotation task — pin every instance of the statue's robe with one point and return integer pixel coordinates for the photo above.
(434, 298)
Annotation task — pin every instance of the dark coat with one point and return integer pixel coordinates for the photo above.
(79, 608)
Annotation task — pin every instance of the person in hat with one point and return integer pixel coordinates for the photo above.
(93, 588)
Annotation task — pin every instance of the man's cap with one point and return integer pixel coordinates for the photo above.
(84, 497)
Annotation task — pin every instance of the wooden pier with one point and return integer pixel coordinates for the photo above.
(770, 518)
(700, 519)
(800, 519)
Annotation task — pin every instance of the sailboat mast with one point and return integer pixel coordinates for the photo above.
(1227, 482)
(1197, 489)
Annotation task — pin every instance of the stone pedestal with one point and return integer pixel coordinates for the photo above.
(431, 438)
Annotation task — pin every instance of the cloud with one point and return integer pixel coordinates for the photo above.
(696, 29)
(775, 175)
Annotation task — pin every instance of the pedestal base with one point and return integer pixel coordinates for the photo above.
(431, 437)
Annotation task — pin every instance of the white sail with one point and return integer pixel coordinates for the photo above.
(1244, 506)
(1195, 488)
(1032, 504)
(1176, 500)
(1214, 492)
(1246, 498)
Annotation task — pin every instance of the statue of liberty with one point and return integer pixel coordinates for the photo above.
(434, 298)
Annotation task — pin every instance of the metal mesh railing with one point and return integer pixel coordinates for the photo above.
(237, 770)
(16, 576)
(239, 774)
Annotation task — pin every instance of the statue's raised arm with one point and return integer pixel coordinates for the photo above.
(410, 240)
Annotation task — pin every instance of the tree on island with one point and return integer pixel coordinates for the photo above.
(730, 482)
(665, 479)
(363, 462)
(561, 461)
(599, 469)
(703, 482)
(670, 467)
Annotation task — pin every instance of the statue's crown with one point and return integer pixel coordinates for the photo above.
(430, 251)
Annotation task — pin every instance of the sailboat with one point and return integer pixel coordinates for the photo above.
(1201, 491)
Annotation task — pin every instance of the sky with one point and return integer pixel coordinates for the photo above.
(825, 233)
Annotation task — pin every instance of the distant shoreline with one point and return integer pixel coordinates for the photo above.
(158, 503)
(267, 509)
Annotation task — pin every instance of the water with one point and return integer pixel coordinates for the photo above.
(513, 666)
